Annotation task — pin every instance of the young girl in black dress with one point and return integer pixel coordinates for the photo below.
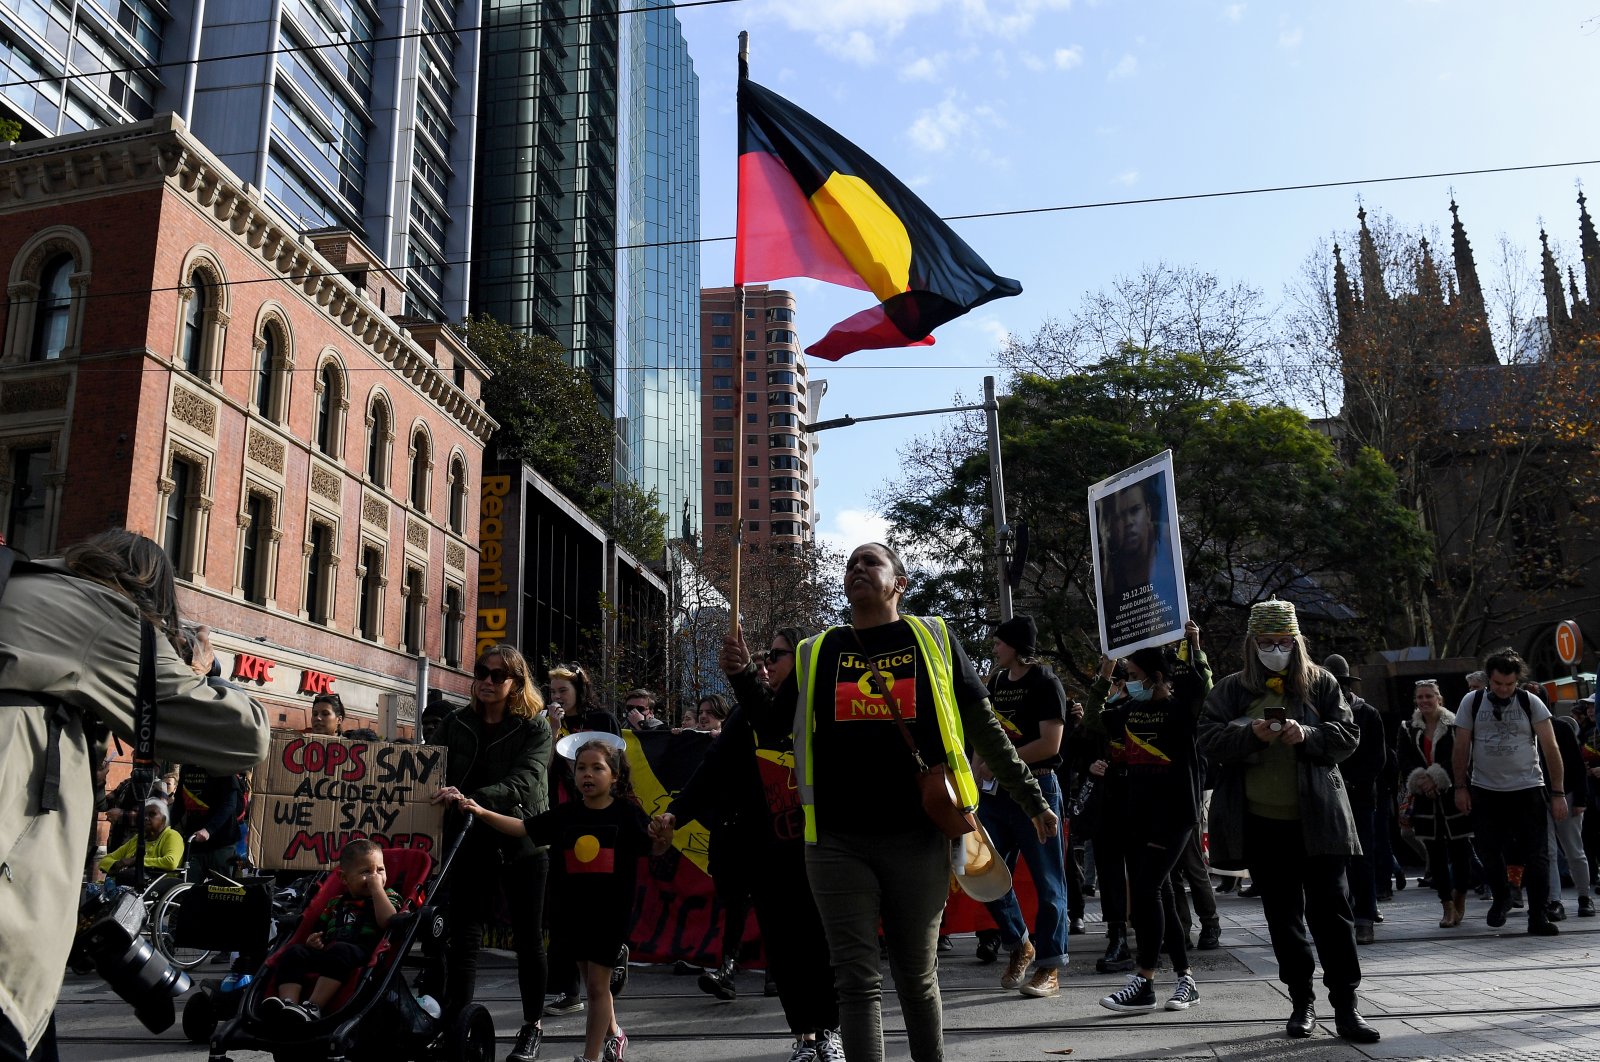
(595, 846)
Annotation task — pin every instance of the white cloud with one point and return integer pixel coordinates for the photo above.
(940, 127)
(1127, 66)
(1233, 12)
(857, 29)
(1291, 38)
(855, 46)
(852, 527)
(1027, 59)
(1068, 58)
(1007, 19)
(1127, 178)
(924, 69)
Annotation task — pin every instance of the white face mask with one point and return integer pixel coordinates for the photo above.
(1274, 659)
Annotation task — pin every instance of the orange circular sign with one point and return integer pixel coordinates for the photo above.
(1569, 642)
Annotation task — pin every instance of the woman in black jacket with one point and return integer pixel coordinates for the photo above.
(745, 794)
(499, 756)
(1161, 809)
(1426, 744)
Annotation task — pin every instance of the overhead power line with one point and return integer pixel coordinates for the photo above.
(533, 252)
(416, 34)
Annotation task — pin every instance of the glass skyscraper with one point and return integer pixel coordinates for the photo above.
(545, 260)
(340, 124)
(589, 216)
(658, 311)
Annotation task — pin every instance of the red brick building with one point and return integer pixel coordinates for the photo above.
(779, 506)
(181, 361)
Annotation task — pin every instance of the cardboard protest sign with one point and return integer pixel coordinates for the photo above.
(315, 794)
(1138, 557)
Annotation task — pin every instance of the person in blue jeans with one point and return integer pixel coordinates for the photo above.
(1032, 708)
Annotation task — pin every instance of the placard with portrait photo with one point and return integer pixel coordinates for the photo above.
(1138, 557)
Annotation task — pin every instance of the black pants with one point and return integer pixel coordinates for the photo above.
(1298, 890)
(1510, 828)
(472, 891)
(1111, 870)
(732, 871)
(1155, 918)
(1193, 869)
(302, 963)
(13, 1048)
(1450, 861)
(791, 935)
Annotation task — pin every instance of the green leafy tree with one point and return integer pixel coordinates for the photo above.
(635, 520)
(548, 415)
(1264, 500)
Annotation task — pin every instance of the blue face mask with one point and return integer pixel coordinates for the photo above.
(1138, 690)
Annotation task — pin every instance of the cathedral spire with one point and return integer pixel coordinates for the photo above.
(1466, 266)
(1371, 268)
(1590, 246)
(1344, 296)
(1555, 299)
(1474, 315)
(1429, 286)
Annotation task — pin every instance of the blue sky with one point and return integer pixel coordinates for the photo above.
(1004, 104)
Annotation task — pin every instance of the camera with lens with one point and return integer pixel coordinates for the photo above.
(110, 936)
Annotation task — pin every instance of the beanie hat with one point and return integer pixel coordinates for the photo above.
(1019, 632)
(1273, 617)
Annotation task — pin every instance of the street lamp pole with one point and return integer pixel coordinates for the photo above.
(997, 489)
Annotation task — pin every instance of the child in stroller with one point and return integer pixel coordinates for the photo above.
(350, 928)
(375, 1014)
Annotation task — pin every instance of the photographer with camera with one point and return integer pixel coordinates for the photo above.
(71, 641)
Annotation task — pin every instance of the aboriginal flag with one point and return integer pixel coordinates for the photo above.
(812, 204)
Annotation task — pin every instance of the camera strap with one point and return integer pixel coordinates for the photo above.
(144, 739)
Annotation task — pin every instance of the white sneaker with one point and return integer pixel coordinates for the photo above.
(1184, 994)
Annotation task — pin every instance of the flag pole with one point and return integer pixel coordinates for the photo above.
(737, 525)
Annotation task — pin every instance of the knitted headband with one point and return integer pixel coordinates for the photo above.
(1273, 617)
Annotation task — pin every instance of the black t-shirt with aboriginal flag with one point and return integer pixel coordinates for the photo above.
(594, 854)
(865, 776)
(1022, 705)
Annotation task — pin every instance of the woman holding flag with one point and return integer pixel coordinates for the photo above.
(872, 853)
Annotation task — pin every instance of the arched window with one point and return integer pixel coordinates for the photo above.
(420, 460)
(458, 495)
(194, 324)
(267, 374)
(330, 396)
(54, 310)
(378, 444)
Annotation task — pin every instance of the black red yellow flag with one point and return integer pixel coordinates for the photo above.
(812, 204)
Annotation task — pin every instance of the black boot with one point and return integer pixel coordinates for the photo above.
(1303, 1019)
(1117, 958)
(1350, 1025)
(719, 982)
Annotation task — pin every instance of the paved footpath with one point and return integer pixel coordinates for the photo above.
(1466, 994)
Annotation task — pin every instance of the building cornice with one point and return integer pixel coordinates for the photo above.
(161, 152)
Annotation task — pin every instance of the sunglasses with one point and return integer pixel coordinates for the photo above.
(495, 675)
(774, 655)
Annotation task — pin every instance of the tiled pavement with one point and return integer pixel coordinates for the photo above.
(1466, 994)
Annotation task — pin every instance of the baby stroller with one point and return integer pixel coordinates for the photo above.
(377, 1014)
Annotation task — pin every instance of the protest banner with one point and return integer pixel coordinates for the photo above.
(315, 794)
(1138, 557)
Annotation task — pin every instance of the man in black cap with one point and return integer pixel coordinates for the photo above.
(1032, 707)
(1361, 773)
